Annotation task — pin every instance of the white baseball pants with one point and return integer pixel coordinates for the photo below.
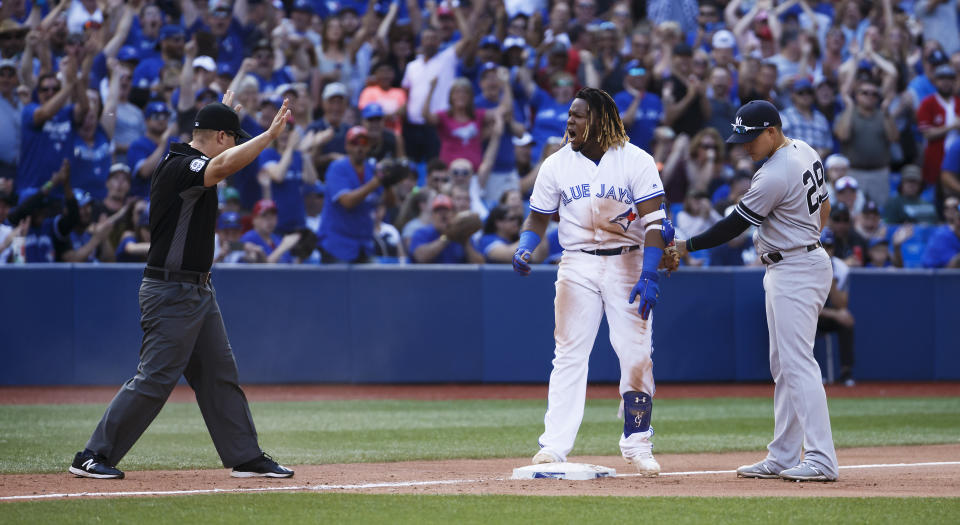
(589, 286)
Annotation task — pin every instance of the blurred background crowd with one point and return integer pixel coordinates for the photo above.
(418, 126)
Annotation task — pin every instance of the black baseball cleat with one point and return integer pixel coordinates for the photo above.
(263, 466)
(88, 464)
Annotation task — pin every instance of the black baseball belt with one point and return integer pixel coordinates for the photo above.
(613, 251)
(775, 257)
(182, 276)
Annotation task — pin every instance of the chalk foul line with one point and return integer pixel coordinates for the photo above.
(392, 484)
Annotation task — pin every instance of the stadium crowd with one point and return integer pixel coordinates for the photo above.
(418, 127)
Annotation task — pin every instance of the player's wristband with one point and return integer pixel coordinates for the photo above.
(528, 241)
(651, 259)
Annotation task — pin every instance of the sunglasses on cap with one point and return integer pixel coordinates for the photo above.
(740, 129)
(636, 71)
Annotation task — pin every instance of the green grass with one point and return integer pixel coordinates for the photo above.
(43, 438)
(353, 508)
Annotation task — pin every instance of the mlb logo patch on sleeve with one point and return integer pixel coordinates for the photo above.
(197, 164)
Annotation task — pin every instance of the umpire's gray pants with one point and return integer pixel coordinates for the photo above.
(796, 290)
(183, 334)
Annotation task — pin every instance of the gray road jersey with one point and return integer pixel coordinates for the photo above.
(784, 199)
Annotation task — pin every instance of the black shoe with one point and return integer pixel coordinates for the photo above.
(263, 466)
(88, 464)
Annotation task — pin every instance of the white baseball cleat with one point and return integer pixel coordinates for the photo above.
(646, 465)
(545, 456)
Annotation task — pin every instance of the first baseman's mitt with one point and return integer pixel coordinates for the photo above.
(465, 224)
(671, 258)
(391, 172)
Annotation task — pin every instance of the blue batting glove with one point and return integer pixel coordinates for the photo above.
(668, 232)
(525, 246)
(648, 290)
(521, 261)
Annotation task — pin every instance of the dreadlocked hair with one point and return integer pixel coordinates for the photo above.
(604, 110)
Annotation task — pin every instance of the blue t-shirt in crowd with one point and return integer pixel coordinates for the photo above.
(506, 159)
(147, 72)
(942, 246)
(90, 164)
(649, 115)
(98, 71)
(452, 254)
(245, 180)
(231, 49)
(255, 238)
(348, 233)
(79, 240)
(146, 47)
(489, 241)
(43, 148)
(922, 87)
(288, 194)
(549, 119)
(951, 157)
(278, 78)
(38, 244)
(139, 150)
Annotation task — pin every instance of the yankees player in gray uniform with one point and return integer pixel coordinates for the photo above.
(183, 332)
(787, 200)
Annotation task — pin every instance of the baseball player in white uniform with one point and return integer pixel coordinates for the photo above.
(608, 195)
(787, 200)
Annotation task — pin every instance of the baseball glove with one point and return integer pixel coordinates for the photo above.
(465, 224)
(671, 258)
(391, 172)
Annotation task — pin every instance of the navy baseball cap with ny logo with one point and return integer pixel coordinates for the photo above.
(752, 118)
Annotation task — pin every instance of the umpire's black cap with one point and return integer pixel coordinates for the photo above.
(752, 118)
(220, 117)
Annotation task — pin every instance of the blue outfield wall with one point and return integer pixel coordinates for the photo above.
(79, 324)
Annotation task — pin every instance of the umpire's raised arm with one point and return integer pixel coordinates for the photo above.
(238, 155)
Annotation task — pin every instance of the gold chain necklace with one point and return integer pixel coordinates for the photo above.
(785, 142)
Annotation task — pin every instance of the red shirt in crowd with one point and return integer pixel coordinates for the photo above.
(933, 114)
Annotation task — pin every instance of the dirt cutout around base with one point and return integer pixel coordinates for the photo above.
(491, 476)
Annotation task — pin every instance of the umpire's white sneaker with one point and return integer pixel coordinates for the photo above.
(762, 470)
(646, 465)
(805, 471)
(545, 456)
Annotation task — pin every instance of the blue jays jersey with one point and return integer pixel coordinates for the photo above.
(597, 202)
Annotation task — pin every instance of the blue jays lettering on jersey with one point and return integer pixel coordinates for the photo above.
(596, 202)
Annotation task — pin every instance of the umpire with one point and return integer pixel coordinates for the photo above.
(183, 332)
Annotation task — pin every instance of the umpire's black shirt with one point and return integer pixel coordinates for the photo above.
(183, 212)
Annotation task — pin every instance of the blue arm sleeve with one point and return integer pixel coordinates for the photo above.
(528, 241)
(651, 259)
